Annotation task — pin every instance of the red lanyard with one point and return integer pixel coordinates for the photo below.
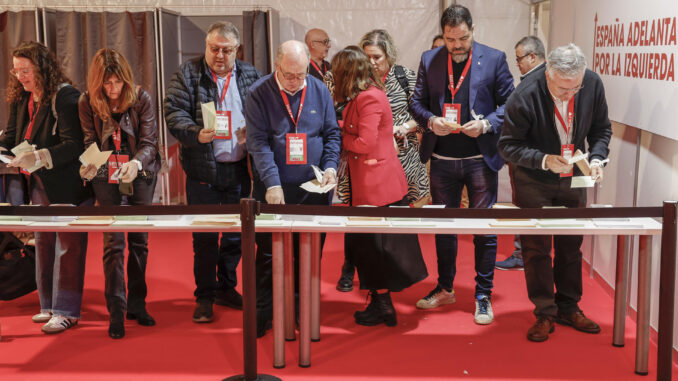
(315, 65)
(31, 116)
(225, 89)
(570, 116)
(117, 138)
(289, 108)
(450, 73)
(383, 80)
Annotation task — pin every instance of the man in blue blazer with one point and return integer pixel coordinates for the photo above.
(459, 102)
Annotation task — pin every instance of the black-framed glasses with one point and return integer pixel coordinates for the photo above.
(326, 42)
(227, 51)
(292, 76)
(16, 73)
(518, 59)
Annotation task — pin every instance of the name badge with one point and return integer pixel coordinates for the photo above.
(115, 162)
(566, 151)
(296, 148)
(452, 113)
(223, 130)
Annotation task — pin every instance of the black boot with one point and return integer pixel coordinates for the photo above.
(380, 310)
(116, 327)
(345, 283)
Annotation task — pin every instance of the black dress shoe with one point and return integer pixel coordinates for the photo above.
(116, 327)
(203, 312)
(345, 283)
(229, 298)
(143, 318)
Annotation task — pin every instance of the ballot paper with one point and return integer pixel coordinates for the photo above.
(314, 186)
(578, 155)
(5, 159)
(582, 182)
(513, 223)
(93, 156)
(561, 223)
(209, 116)
(25, 147)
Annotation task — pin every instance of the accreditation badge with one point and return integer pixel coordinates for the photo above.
(567, 151)
(296, 148)
(223, 130)
(115, 162)
(452, 113)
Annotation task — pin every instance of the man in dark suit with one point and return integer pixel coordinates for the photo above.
(555, 111)
(319, 45)
(530, 57)
(459, 101)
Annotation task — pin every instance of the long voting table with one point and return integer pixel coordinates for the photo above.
(309, 262)
(309, 270)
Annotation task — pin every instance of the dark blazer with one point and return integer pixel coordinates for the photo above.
(529, 130)
(377, 177)
(138, 122)
(189, 87)
(61, 136)
(490, 86)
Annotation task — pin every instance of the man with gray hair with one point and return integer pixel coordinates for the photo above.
(555, 111)
(214, 156)
(291, 126)
(529, 58)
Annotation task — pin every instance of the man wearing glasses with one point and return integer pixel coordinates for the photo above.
(529, 58)
(291, 125)
(554, 112)
(319, 45)
(213, 156)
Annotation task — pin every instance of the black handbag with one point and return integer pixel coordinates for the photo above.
(17, 268)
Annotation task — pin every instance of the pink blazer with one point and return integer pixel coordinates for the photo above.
(377, 177)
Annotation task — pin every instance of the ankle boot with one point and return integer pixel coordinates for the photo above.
(380, 310)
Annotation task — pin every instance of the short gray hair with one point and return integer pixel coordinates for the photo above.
(532, 45)
(567, 60)
(289, 47)
(381, 39)
(225, 29)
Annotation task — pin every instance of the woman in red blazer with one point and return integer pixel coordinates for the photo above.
(385, 262)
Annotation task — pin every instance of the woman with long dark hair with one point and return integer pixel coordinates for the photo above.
(118, 116)
(385, 262)
(43, 122)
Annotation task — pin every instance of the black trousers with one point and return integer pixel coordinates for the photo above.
(264, 260)
(541, 272)
(114, 249)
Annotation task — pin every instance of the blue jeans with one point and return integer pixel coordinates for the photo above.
(448, 178)
(59, 264)
(215, 261)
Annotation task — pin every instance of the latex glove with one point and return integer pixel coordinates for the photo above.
(241, 135)
(557, 164)
(206, 136)
(23, 160)
(128, 172)
(473, 128)
(329, 177)
(439, 128)
(88, 172)
(597, 172)
(275, 195)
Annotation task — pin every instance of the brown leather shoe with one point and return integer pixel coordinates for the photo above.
(540, 330)
(578, 321)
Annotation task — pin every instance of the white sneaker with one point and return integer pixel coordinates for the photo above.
(484, 314)
(41, 317)
(58, 323)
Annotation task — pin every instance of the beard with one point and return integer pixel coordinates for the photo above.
(460, 57)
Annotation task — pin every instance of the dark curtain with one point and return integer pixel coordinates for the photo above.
(255, 40)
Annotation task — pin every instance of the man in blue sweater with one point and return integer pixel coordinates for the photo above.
(291, 125)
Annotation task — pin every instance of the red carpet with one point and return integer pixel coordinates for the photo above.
(442, 344)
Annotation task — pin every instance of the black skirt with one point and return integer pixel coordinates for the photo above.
(385, 261)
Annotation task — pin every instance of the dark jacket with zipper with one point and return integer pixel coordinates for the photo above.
(191, 86)
(138, 122)
(61, 136)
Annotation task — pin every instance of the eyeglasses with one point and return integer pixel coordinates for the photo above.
(573, 90)
(225, 51)
(518, 59)
(23, 72)
(293, 76)
(326, 42)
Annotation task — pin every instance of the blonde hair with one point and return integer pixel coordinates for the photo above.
(108, 62)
